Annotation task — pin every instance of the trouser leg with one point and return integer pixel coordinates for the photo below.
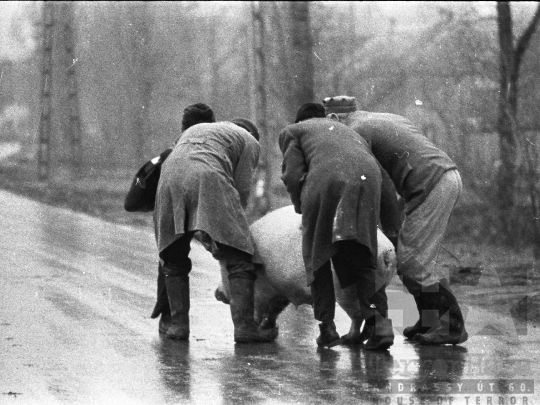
(323, 294)
(418, 247)
(324, 305)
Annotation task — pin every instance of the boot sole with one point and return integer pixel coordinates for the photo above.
(409, 335)
(442, 341)
(257, 339)
(331, 344)
(178, 337)
(352, 341)
(181, 336)
(253, 341)
(382, 345)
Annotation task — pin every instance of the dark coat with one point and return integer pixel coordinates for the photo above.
(205, 184)
(413, 163)
(335, 183)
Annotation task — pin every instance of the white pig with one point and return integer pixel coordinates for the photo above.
(281, 276)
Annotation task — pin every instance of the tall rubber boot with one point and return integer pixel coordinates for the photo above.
(382, 336)
(164, 322)
(378, 328)
(242, 310)
(178, 293)
(451, 329)
(328, 335)
(162, 303)
(411, 331)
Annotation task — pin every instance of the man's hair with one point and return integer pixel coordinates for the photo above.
(248, 126)
(197, 114)
(310, 110)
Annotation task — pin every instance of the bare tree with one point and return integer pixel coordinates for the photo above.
(302, 45)
(262, 194)
(141, 69)
(510, 138)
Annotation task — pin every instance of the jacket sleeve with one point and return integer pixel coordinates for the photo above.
(293, 168)
(390, 213)
(245, 169)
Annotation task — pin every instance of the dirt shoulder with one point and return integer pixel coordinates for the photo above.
(101, 195)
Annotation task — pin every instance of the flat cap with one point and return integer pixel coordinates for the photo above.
(340, 104)
(248, 126)
(309, 110)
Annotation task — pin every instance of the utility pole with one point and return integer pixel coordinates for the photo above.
(46, 92)
(52, 13)
(302, 45)
(74, 124)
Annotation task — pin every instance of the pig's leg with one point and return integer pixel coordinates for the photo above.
(275, 307)
(357, 335)
(354, 336)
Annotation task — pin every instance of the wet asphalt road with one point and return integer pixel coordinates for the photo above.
(75, 299)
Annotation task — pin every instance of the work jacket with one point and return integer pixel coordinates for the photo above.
(205, 184)
(413, 163)
(335, 183)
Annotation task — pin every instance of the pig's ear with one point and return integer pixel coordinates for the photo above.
(333, 116)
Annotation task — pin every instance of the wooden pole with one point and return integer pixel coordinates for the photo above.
(46, 92)
(74, 123)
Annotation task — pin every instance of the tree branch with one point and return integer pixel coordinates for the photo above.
(525, 38)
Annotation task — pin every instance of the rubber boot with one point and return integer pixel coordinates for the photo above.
(378, 329)
(366, 333)
(178, 293)
(242, 309)
(328, 335)
(162, 301)
(411, 331)
(164, 322)
(451, 329)
(382, 336)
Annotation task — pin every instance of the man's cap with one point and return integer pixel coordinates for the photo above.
(310, 110)
(340, 104)
(248, 126)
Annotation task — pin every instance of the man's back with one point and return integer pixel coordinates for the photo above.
(216, 146)
(327, 144)
(335, 182)
(411, 160)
